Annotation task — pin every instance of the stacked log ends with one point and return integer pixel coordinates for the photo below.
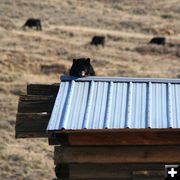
(34, 110)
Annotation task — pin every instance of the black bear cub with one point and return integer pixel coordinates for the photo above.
(81, 68)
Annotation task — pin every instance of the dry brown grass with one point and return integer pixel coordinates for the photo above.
(67, 30)
(159, 50)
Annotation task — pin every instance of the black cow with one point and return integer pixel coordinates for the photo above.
(158, 40)
(98, 40)
(31, 22)
(81, 68)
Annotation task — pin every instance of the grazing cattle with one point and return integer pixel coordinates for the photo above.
(98, 40)
(81, 68)
(31, 22)
(158, 40)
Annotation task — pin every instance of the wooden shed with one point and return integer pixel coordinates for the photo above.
(104, 127)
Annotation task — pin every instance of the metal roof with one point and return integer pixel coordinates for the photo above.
(113, 103)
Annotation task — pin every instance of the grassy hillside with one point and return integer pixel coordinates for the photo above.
(68, 27)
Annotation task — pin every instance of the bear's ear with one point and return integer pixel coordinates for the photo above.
(74, 60)
(88, 60)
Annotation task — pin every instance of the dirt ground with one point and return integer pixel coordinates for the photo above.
(67, 29)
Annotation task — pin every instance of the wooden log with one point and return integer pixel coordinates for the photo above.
(95, 179)
(118, 137)
(108, 170)
(148, 178)
(35, 103)
(31, 125)
(34, 110)
(117, 154)
(42, 89)
(75, 172)
(148, 174)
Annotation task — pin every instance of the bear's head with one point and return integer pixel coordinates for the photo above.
(81, 68)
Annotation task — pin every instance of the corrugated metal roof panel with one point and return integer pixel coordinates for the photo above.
(98, 103)
(120, 79)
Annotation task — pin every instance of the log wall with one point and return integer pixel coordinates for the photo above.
(126, 154)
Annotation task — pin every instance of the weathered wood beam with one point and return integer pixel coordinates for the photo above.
(134, 178)
(113, 171)
(42, 89)
(148, 174)
(31, 125)
(98, 179)
(110, 171)
(71, 171)
(117, 154)
(118, 137)
(147, 178)
(35, 103)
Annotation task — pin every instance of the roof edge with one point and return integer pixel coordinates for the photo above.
(115, 130)
(121, 79)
